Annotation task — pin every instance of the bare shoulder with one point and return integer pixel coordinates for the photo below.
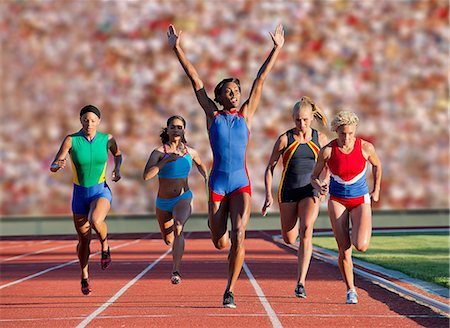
(191, 151)
(323, 139)
(326, 150)
(367, 146)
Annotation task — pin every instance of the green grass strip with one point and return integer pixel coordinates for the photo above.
(422, 256)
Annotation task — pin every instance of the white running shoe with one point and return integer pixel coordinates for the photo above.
(176, 278)
(352, 297)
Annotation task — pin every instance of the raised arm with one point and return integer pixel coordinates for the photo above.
(115, 151)
(60, 159)
(373, 159)
(205, 102)
(278, 149)
(250, 105)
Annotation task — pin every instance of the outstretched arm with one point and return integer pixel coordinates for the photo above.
(115, 151)
(249, 106)
(278, 149)
(60, 159)
(174, 42)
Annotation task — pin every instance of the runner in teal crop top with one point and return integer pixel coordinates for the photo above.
(172, 163)
(177, 169)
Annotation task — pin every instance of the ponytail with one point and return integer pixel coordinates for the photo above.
(316, 111)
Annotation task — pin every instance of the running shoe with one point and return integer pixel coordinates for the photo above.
(228, 300)
(106, 259)
(352, 297)
(300, 290)
(176, 278)
(85, 286)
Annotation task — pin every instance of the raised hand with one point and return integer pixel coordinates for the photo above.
(172, 157)
(173, 37)
(278, 37)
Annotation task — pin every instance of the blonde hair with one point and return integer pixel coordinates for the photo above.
(344, 118)
(316, 111)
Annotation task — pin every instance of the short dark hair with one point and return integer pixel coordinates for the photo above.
(218, 88)
(90, 108)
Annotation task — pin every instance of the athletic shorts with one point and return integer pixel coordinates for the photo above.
(351, 203)
(297, 194)
(168, 204)
(223, 185)
(84, 196)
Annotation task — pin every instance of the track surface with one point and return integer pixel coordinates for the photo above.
(40, 288)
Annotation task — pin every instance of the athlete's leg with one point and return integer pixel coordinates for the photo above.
(308, 209)
(240, 214)
(217, 222)
(165, 221)
(83, 228)
(289, 222)
(99, 208)
(339, 218)
(361, 217)
(181, 212)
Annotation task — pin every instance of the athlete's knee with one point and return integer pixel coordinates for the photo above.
(345, 251)
(98, 223)
(168, 240)
(220, 242)
(84, 236)
(361, 246)
(238, 233)
(290, 240)
(178, 228)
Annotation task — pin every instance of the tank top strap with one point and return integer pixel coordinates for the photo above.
(315, 137)
(290, 137)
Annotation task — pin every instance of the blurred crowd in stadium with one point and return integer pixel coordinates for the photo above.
(385, 60)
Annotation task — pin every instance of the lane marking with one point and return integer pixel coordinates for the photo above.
(105, 305)
(262, 298)
(22, 244)
(125, 288)
(384, 283)
(37, 274)
(289, 315)
(34, 253)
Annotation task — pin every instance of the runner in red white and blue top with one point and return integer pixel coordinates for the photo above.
(347, 157)
(229, 129)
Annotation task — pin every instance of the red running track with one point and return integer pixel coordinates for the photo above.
(39, 287)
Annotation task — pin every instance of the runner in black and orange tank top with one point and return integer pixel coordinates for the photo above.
(298, 148)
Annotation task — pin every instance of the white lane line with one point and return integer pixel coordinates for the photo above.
(384, 283)
(262, 298)
(22, 244)
(34, 253)
(290, 315)
(103, 307)
(37, 274)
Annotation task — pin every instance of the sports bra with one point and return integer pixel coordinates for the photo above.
(176, 169)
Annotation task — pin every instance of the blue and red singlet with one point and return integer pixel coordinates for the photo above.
(229, 136)
(348, 184)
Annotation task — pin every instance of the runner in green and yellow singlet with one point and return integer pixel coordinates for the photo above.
(92, 198)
